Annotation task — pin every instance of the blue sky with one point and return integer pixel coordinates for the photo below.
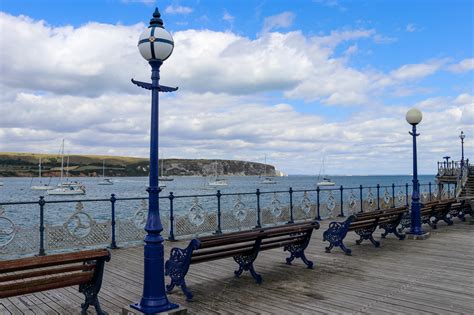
(330, 78)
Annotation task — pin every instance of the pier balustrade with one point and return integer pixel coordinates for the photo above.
(48, 226)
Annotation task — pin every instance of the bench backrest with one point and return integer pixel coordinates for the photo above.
(232, 244)
(35, 274)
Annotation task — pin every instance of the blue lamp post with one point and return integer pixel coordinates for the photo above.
(155, 45)
(462, 136)
(414, 117)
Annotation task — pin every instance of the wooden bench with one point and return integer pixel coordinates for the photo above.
(242, 246)
(431, 213)
(36, 274)
(364, 224)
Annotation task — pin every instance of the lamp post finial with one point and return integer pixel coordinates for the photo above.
(156, 20)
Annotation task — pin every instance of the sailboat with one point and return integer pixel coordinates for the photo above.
(68, 188)
(217, 182)
(41, 186)
(105, 181)
(267, 180)
(326, 181)
(164, 178)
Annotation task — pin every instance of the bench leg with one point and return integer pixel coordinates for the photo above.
(346, 250)
(246, 264)
(328, 249)
(297, 251)
(448, 220)
(391, 228)
(366, 234)
(376, 243)
(91, 299)
(400, 236)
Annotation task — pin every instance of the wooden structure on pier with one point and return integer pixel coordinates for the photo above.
(432, 276)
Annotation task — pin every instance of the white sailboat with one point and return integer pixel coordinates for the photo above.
(105, 181)
(164, 178)
(68, 188)
(41, 186)
(267, 179)
(217, 181)
(326, 181)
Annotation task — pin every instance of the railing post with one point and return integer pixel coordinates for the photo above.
(171, 234)
(342, 202)
(259, 223)
(219, 229)
(449, 191)
(378, 197)
(393, 195)
(406, 191)
(429, 190)
(291, 205)
(455, 188)
(317, 204)
(113, 244)
(361, 199)
(41, 203)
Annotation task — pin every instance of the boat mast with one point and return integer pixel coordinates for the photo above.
(62, 162)
(39, 170)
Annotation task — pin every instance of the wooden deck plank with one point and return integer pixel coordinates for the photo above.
(423, 277)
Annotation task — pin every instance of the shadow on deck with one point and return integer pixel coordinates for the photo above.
(429, 276)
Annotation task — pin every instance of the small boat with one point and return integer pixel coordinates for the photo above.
(218, 182)
(105, 181)
(41, 186)
(1, 184)
(268, 180)
(161, 185)
(71, 190)
(164, 178)
(326, 182)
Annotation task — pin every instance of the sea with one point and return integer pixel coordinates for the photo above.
(59, 208)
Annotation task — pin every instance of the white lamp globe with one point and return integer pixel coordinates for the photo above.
(155, 42)
(414, 116)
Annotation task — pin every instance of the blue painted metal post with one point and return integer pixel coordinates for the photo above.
(259, 223)
(318, 204)
(462, 136)
(378, 197)
(171, 198)
(393, 195)
(291, 205)
(219, 229)
(429, 189)
(361, 199)
(154, 299)
(406, 191)
(342, 202)
(113, 244)
(41, 203)
(415, 227)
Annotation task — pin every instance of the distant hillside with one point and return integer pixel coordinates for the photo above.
(26, 165)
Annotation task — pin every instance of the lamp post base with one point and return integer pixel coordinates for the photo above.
(129, 310)
(423, 236)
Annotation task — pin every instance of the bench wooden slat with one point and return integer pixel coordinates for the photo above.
(45, 272)
(231, 253)
(25, 287)
(53, 260)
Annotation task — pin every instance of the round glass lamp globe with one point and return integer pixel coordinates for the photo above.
(155, 43)
(414, 116)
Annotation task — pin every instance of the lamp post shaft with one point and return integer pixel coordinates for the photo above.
(154, 299)
(415, 197)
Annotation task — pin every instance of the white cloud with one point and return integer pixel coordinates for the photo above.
(282, 20)
(463, 66)
(416, 71)
(82, 93)
(410, 28)
(228, 17)
(178, 9)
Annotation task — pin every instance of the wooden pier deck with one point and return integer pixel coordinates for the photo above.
(411, 277)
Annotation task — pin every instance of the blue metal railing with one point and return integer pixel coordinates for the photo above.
(345, 195)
